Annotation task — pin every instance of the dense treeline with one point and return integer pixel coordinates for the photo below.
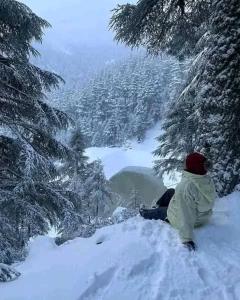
(125, 99)
(35, 193)
(206, 115)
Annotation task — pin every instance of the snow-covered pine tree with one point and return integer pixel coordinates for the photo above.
(179, 126)
(72, 173)
(141, 122)
(127, 98)
(209, 106)
(93, 201)
(162, 25)
(97, 200)
(8, 273)
(110, 133)
(205, 117)
(219, 95)
(30, 198)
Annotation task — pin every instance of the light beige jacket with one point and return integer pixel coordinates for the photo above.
(192, 204)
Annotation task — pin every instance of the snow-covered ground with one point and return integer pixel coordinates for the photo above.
(138, 259)
(135, 154)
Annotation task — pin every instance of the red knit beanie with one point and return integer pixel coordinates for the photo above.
(195, 163)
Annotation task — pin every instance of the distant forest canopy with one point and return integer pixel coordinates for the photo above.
(125, 99)
(77, 64)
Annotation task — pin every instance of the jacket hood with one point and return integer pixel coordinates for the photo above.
(203, 183)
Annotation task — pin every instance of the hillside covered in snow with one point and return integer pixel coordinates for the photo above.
(137, 259)
(70, 227)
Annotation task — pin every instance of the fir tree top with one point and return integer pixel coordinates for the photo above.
(161, 25)
(19, 26)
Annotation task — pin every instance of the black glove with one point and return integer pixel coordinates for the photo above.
(190, 245)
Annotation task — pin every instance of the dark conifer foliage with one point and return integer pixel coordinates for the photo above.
(30, 198)
(219, 95)
(205, 116)
(208, 108)
(161, 25)
(179, 135)
(126, 99)
(86, 186)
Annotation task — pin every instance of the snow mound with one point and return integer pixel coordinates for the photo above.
(122, 214)
(118, 212)
(41, 244)
(138, 259)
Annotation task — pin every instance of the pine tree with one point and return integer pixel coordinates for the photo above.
(30, 198)
(208, 108)
(205, 116)
(72, 173)
(127, 99)
(219, 95)
(162, 25)
(97, 194)
(110, 134)
(179, 128)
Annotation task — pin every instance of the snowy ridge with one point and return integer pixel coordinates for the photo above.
(138, 259)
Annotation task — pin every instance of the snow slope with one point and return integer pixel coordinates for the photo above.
(135, 154)
(137, 260)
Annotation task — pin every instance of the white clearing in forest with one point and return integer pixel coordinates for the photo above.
(135, 154)
(138, 259)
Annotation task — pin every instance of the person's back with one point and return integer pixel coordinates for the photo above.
(192, 204)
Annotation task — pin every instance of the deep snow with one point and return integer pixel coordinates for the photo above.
(138, 259)
(134, 154)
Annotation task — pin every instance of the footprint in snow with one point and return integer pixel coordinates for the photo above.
(145, 265)
(100, 281)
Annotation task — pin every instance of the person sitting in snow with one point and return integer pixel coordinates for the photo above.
(192, 203)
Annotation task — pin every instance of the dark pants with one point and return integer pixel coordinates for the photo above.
(159, 213)
(166, 198)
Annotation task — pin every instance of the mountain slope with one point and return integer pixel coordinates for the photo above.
(137, 259)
